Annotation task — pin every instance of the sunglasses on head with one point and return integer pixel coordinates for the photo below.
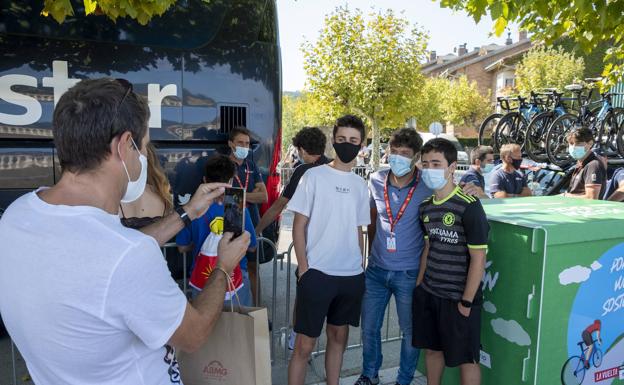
(128, 87)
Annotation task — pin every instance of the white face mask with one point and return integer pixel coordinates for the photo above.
(135, 188)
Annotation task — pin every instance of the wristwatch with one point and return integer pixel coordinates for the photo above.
(465, 303)
(183, 215)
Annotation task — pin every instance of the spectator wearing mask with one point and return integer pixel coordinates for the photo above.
(590, 173)
(509, 181)
(396, 242)
(249, 179)
(203, 235)
(482, 162)
(448, 299)
(100, 306)
(330, 206)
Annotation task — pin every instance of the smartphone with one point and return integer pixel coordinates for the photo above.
(234, 211)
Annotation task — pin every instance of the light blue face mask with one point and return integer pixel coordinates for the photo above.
(434, 178)
(241, 152)
(488, 167)
(399, 165)
(577, 152)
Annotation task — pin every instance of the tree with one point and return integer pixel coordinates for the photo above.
(140, 10)
(369, 67)
(456, 101)
(543, 67)
(587, 22)
(299, 111)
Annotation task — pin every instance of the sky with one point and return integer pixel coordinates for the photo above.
(301, 20)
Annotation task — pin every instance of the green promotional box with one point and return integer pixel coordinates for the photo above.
(554, 279)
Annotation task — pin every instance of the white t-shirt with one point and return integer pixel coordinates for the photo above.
(336, 203)
(86, 300)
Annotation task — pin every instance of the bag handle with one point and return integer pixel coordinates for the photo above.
(230, 285)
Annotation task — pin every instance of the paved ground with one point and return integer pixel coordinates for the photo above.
(283, 299)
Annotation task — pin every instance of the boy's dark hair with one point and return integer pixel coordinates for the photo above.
(219, 168)
(89, 115)
(582, 134)
(239, 130)
(442, 146)
(311, 139)
(480, 152)
(350, 121)
(406, 137)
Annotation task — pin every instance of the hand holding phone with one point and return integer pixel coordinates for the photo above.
(234, 211)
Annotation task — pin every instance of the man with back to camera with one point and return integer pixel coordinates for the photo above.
(330, 207)
(396, 243)
(590, 173)
(508, 181)
(448, 298)
(249, 179)
(100, 304)
(310, 144)
(473, 182)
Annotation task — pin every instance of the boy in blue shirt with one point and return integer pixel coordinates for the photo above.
(204, 233)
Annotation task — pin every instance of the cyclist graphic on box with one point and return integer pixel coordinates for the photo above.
(589, 340)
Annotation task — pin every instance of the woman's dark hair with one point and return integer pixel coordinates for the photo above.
(406, 137)
(442, 146)
(311, 139)
(219, 168)
(89, 115)
(351, 121)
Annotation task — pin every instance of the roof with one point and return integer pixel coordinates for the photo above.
(460, 62)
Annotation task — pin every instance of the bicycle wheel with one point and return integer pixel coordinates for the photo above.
(487, 129)
(597, 357)
(573, 371)
(609, 127)
(556, 139)
(510, 130)
(535, 138)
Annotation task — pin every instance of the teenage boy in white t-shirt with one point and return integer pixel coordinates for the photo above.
(331, 206)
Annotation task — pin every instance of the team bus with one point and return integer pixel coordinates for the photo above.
(204, 67)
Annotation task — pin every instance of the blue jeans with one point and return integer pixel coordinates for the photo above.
(244, 294)
(380, 285)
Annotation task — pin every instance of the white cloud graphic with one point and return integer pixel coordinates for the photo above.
(596, 265)
(511, 331)
(489, 307)
(574, 274)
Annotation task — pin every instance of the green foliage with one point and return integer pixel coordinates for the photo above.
(587, 22)
(140, 10)
(456, 101)
(368, 66)
(548, 68)
(299, 111)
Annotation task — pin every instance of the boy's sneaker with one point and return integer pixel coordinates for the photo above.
(363, 380)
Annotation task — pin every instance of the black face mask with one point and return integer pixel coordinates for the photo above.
(346, 151)
(516, 163)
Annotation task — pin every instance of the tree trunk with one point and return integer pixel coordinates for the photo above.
(376, 146)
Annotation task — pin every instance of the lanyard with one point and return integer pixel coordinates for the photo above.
(240, 184)
(410, 193)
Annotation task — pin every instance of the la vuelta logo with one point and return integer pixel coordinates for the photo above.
(215, 371)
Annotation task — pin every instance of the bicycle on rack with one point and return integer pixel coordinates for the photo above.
(512, 126)
(487, 128)
(573, 371)
(599, 116)
(535, 137)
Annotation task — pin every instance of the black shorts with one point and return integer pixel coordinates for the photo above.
(320, 296)
(438, 325)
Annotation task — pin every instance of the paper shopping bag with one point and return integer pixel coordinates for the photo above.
(236, 353)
